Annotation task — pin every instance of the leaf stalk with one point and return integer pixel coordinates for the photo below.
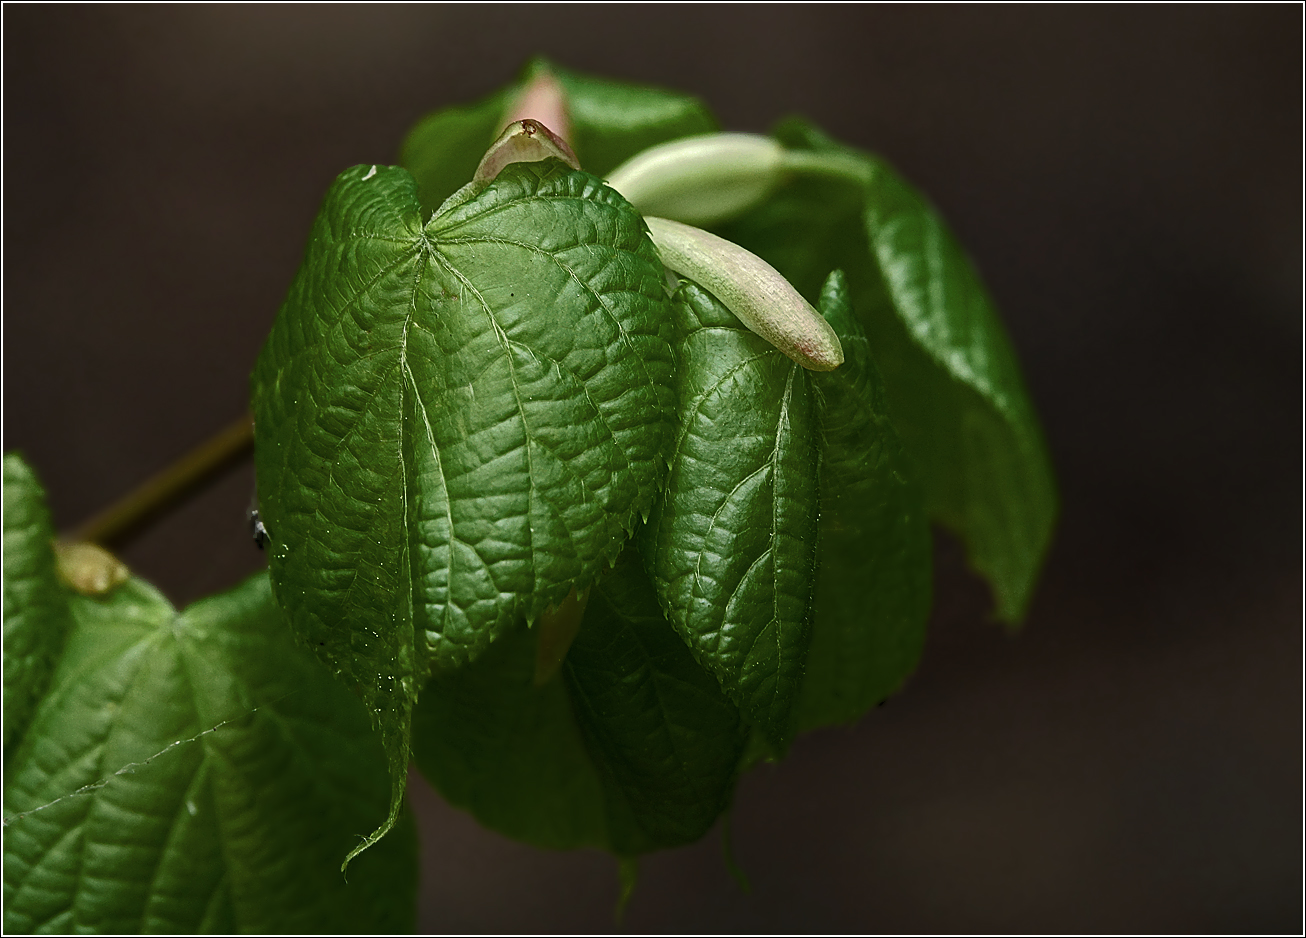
(128, 515)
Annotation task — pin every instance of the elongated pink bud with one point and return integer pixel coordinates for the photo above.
(544, 100)
(524, 141)
(752, 289)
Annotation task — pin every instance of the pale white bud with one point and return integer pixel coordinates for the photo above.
(752, 289)
(701, 180)
(544, 100)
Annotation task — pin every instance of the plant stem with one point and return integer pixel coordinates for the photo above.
(826, 163)
(129, 514)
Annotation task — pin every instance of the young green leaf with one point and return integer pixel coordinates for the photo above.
(196, 771)
(456, 422)
(36, 614)
(611, 121)
(665, 739)
(873, 580)
(731, 544)
(495, 743)
(954, 388)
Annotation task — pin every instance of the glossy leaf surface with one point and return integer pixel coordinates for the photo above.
(954, 389)
(633, 748)
(509, 752)
(664, 737)
(873, 561)
(456, 421)
(36, 614)
(731, 545)
(196, 771)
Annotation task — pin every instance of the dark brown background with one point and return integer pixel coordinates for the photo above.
(1127, 179)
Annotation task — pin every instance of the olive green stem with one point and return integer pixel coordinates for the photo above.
(129, 514)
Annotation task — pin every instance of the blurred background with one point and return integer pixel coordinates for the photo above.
(1129, 182)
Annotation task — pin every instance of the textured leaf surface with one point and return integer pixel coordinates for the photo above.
(456, 422)
(198, 772)
(634, 748)
(508, 752)
(664, 737)
(36, 614)
(732, 543)
(954, 389)
(873, 584)
(611, 122)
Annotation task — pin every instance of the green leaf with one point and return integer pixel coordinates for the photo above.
(36, 615)
(731, 544)
(873, 585)
(635, 750)
(954, 388)
(196, 771)
(611, 122)
(509, 752)
(457, 421)
(666, 740)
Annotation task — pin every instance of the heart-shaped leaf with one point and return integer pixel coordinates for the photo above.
(196, 771)
(456, 421)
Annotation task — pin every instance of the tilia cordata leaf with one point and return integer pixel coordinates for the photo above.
(953, 385)
(790, 548)
(731, 545)
(191, 771)
(457, 420)
(873, 555)
(632, 747)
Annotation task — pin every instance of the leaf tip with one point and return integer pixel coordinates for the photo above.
(728, 854)
(628, 871)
